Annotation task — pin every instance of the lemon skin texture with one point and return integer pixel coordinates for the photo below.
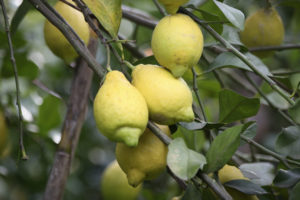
(169, 99)
(114, 184)
(120, 111)
(145, 161)
(177, 43)
(228, 173)
(3, 135)
(171, 5)
(56, 41)
(263, 28)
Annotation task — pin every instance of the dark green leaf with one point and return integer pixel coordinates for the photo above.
(288, 142)
(147, 60)
(295, 195)
(250, 131)
(222, 148)
(49, 114)
(246, 187)
(184, 162)
(235, 107)
(191, 193)
(287, 178)
(295, 111)
(19, 15)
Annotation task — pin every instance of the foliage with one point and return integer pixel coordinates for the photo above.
(224, 125)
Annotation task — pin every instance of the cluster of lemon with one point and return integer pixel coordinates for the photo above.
(122, 109)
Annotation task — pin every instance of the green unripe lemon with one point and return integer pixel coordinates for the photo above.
(114, 184)
(263, 28)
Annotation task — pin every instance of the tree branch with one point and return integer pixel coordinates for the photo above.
(13, 62)
(275, 48)
(71, 129)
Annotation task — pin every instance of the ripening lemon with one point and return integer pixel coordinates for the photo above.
(169, 99)
(114, 184)
(177, 43)
(145, 161)
(172, 5)
(263, 28)
(56, 41)
(228, 173)
(120, 111)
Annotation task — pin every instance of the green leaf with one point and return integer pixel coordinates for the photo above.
(108, 12)
(19, 15)
(227, 59)
(294, 111)
(49, 114)
(246, 187)
(191, 193)
(147, 60)
(288, 142)
(287, 178)
(222, 148)
(234, 16)
(235, 107)
(295, 195)
(184, 162)
(261, 173)
(250, 131)
(200, 125)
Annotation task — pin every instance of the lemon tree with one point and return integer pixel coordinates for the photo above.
(149, 100)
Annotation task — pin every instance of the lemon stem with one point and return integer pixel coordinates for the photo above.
(128, 64)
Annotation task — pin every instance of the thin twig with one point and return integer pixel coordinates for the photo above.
(283, 73)
(285, 116)
(267, 151)
(236, 52)
(13, 61)
(275, 48)
(160, 8)
(196, 90)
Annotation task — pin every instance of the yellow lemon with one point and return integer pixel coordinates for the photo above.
(228, 173)
(177, 43)
(114, 184)
(56, 41)
(171, 5)
(3, 134)
(145, 161)
(120, 110)
(169, 99)
(263, 28)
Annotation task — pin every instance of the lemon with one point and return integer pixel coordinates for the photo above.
(177, 43)
(3, 135)
(114, 184)
(145, 161)
(169, 99)
(56, 41)
(263, 28)
(171, 5)
(228, 173)
(120, 110)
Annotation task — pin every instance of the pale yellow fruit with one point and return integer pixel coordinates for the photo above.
(169, 99)
(228, 173)
(120, 110)
(172, 5)
(145, 161)
(263, 28)
(56, 41)
(3, 134)
(177, 43)
(114, 184)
